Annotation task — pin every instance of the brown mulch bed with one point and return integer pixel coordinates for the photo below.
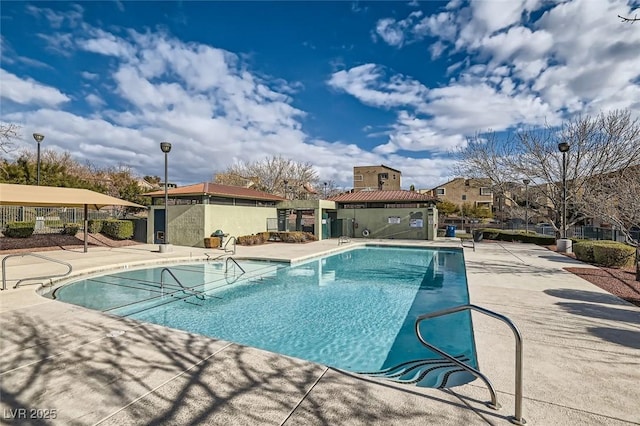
(49, 242)
(619, 282)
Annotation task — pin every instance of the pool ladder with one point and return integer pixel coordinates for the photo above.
(4, 269)
(197, 294)
(517, 418)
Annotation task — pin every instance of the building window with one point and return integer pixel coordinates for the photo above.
(383, 175)
(440, 191)
(464, 198)
(485, 191)
(357, 178)
(394, 177)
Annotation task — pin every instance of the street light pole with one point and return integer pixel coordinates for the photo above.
(563, 147)
(325, 190)
(39, 138)
(166, 148)
(526, 208)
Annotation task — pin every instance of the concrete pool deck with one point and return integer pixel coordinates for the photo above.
(581, 354)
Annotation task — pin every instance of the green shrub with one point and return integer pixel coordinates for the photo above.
(95, 226)
(118, 229)
(19, 229)
(617, 254)
(57, 223)
(584, 249)
(516, 236)
(71, 229)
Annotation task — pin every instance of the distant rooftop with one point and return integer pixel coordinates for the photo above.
(215, 189)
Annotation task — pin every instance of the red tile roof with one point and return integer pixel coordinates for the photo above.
(226, 191)
(382, 196)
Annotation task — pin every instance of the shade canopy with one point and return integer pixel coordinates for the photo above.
(44, 196)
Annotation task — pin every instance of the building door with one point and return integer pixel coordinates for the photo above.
(158, 226)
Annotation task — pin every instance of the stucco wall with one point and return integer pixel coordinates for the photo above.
(237, 220)
(190, 224)
(377, 222)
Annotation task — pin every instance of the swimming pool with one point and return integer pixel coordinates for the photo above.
(353, 310)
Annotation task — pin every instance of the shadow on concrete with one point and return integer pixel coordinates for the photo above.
(586, 296)
(70, 359)
(629, 338)
(601, 312)
(562, 259)
(480, 267)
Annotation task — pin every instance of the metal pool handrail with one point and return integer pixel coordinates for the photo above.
(4, 268)
(185, 289)
(517, 418)
(227, 243)
(226, 265)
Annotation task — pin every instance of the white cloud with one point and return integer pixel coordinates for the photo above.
(95, 100)
(28, 91)
(367, 83)
(72, 18)
(411, 133)
(392, 31)
(89, 75)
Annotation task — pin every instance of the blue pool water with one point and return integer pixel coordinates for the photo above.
(353, 310)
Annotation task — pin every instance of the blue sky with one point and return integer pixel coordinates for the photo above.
(336, 84)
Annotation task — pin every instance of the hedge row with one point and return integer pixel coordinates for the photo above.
(286, 237)
(71, 228)
(19, 229)
(95, 225)
(517, 236)
(118, 229)
(605, 253)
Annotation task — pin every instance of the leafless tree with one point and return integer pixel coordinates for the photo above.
(629, 20)
(598, 145)
(8, 133)
(275, 175)
(615, 198)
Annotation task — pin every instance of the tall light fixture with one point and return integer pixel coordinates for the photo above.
(563, 147)
(39, 138)
(166, 148)
(325, 190)
(526, 206)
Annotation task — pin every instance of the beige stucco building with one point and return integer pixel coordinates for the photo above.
(376, 178)
(197, 211)
(475, 192)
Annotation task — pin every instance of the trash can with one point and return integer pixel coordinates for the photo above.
(477, 235)
(220, 235)
(451, 231)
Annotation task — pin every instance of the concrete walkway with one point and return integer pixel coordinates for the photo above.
(63, 364)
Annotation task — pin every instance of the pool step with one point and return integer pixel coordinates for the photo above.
(433, 373)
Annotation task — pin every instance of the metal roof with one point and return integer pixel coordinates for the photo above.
(382, 196)
(225, 191)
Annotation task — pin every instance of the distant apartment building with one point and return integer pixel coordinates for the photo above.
(376, 178)
(459, 191)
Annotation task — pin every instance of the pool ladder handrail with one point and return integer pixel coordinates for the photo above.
(233, 251)
(517, 418)
(4, 268)
(197, 294)
(226, 265)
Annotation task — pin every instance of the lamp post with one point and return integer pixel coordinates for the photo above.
(166, 148)
(285, 182)
(563, 147)
(39, 138)
(325, 190)
(526, 206)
